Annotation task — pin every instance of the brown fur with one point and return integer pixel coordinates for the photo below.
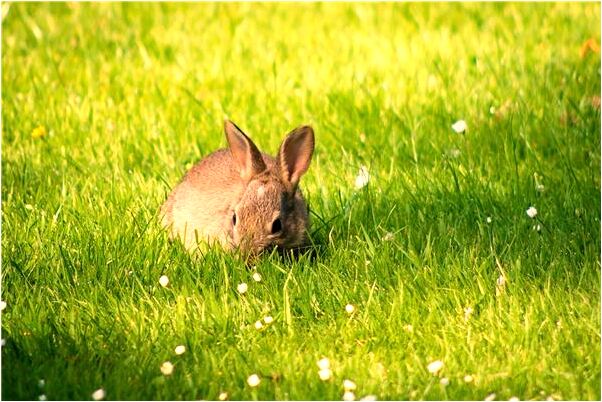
(255, 186)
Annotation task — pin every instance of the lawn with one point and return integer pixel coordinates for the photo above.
(106, 105)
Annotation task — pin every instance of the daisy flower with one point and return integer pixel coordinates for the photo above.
(460, 126)
(435, 367)
(362, 178)
(253, 380)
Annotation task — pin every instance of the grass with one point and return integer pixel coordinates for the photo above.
(128, 96)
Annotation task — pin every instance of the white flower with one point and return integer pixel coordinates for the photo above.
(348, 396)
(98, 394)
(41, 383)
(258, 325)
(325, 374)
(369, 398)
(164, 280)
(363, 177)
(489, 219)
(468, 378)
(167, 368)
(256, 277)
(180, 349)
(532, 212)
(435, 367)
(514, 399)
(444, 381)
(349, 308)
(2, 305)
(490, 397)
(42, 397)
(492, 110)
(268, 319)
(460, 126)
(467, 313)
(324, 363)
(253, 380)
(540, 188)
(223, 396)
(349, 385)
(242, 288)
(29, 207)
(2, 342)
(501, 281)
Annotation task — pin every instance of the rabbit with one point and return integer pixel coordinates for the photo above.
(242, 198)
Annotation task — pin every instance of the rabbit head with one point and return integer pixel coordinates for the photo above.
(271, 211)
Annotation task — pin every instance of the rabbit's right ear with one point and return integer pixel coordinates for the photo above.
(295, 155)
(244, 152)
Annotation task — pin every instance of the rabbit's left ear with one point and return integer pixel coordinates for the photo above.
(295, 155)
(245, 153)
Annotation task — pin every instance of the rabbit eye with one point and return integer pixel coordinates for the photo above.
(276, 226)
(234, 219)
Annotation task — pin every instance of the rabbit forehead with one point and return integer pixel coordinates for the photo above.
(262, 199)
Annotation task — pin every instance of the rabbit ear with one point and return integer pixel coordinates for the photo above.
(245, 153)
(295, 155)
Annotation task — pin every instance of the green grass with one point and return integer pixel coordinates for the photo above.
(131, 94)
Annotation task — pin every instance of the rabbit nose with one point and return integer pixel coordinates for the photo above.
(250, 246)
